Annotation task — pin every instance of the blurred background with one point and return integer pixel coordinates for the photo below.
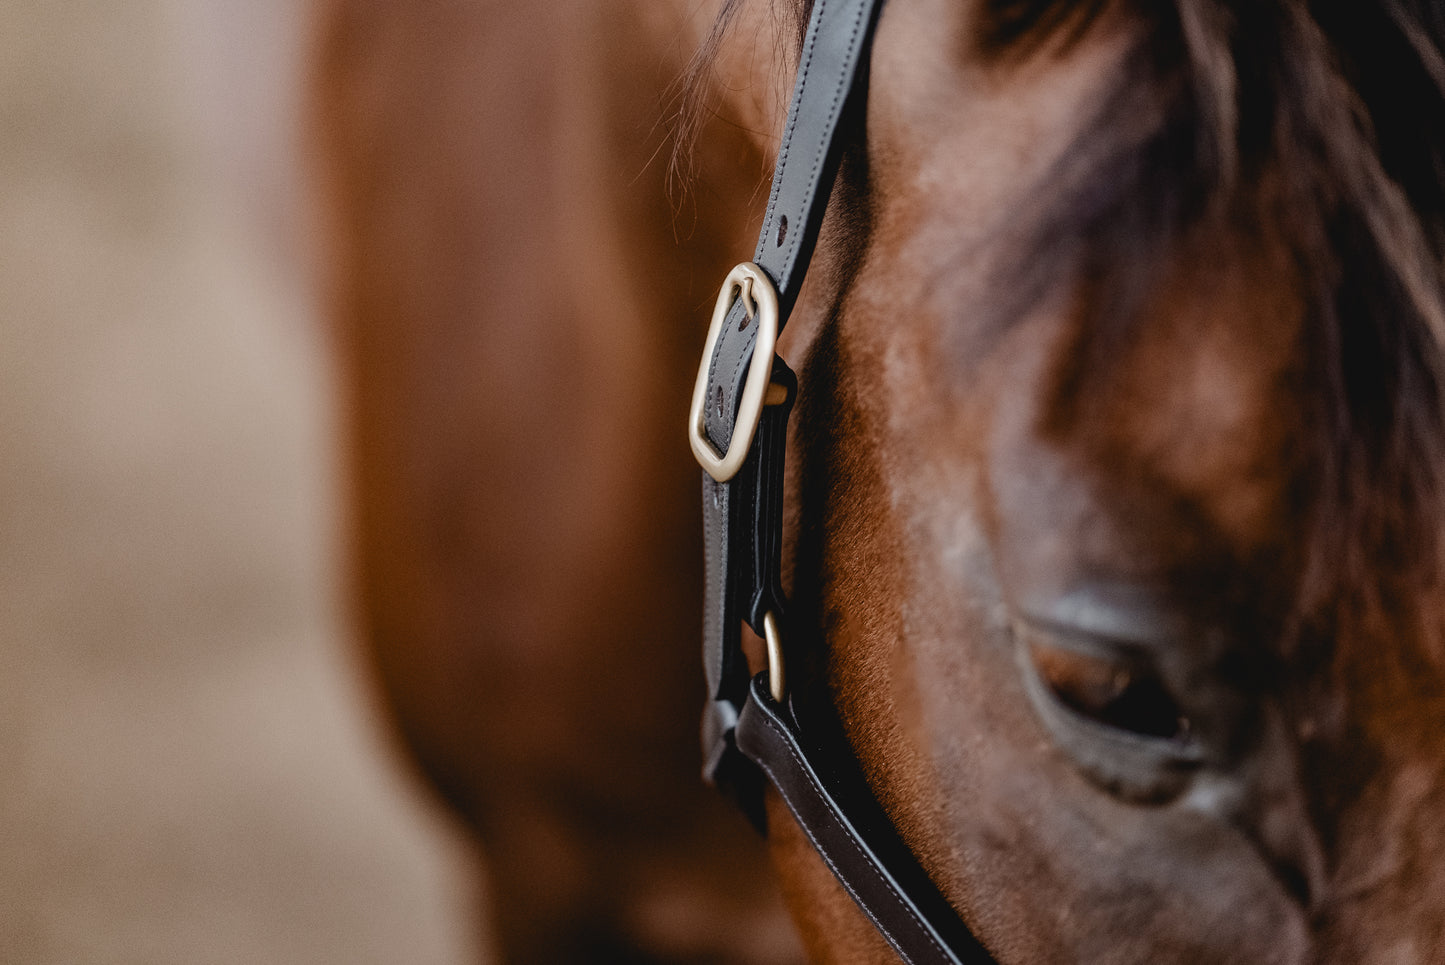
(192, 768)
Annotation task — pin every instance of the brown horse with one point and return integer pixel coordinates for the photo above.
(1116, 509)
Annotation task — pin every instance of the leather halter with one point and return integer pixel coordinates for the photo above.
(738, 427)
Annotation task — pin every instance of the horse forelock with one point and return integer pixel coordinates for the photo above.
(1318, 130)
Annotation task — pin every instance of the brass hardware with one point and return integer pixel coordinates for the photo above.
(777, 683)
(776, 394)
(761, 298)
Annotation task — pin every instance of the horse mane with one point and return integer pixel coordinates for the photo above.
(686, 103)
(690, 102)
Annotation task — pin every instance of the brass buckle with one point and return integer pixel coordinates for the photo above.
(760, 300)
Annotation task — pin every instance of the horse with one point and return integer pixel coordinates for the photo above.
(1113, 502)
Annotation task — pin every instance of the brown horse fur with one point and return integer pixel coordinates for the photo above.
(1120, 435)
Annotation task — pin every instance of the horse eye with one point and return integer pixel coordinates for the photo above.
(1109, 710)
(1115, 692)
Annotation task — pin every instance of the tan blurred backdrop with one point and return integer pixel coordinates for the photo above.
(191, 769)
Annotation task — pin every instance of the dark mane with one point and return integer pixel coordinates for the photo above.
(1322, 125)
(686, 102)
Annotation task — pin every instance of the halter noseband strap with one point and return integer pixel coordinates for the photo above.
(737, 427)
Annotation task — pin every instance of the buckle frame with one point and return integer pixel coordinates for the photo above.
(760, 300)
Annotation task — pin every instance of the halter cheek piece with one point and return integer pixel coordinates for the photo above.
(737, 427)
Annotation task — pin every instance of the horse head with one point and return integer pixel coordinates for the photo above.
(1114, 496)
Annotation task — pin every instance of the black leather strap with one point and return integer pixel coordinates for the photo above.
(856, 840)
(746, 736)
(834, 49)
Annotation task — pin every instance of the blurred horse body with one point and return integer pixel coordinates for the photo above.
(514, 314)
(1117, 464)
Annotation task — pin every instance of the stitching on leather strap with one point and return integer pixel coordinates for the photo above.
(777, 728)
(827, 858)
(840, 90)
(786, 148)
